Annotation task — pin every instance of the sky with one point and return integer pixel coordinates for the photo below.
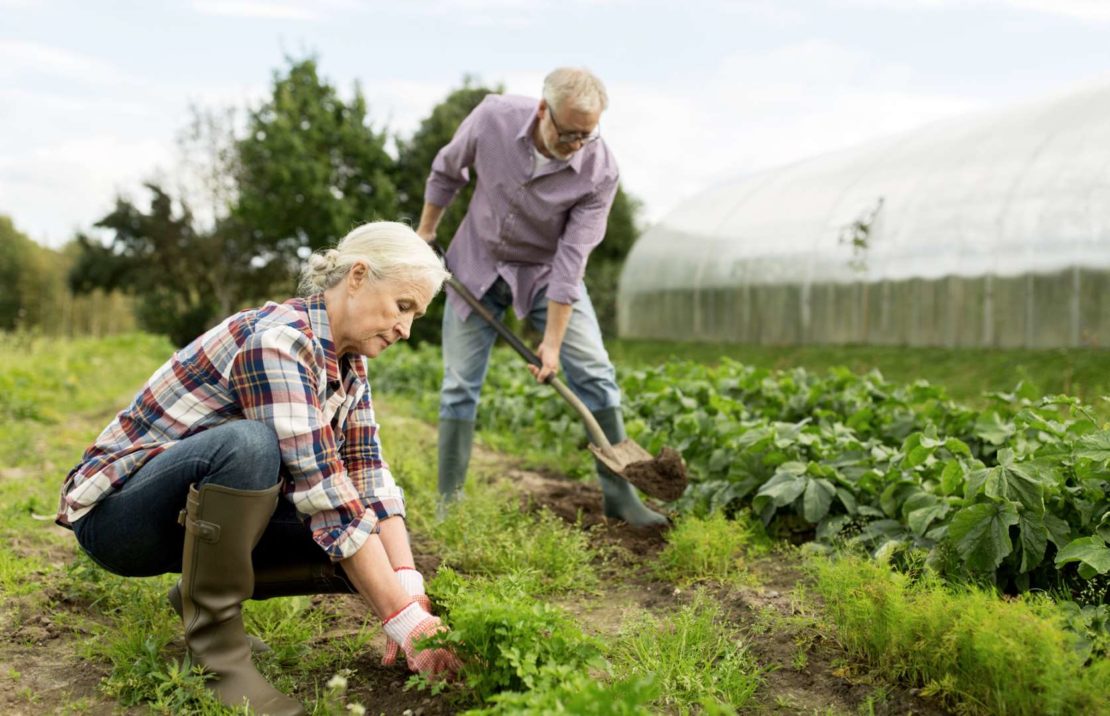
(94, 93)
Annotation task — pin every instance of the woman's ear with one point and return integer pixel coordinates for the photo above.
(357, 275)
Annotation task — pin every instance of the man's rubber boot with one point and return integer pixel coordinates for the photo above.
(620, 499)
(286, 580)
(456, 437)
(222, 526)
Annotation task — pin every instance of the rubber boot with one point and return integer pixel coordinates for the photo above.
(286, 580)
(456, 437)
(222, 526)
(620, 500)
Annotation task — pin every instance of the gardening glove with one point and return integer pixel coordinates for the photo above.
(413, 584)
(413, 623)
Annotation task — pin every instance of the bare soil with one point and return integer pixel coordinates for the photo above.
(807, 671)
(663, 476)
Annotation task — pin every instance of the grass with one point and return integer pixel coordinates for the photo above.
(696, 659)
(710, 548)
(965, 645)
(55, 396)
(965, 372)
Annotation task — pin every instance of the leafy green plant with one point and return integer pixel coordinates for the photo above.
(1015, 493)
(566, 691)
(506, 640)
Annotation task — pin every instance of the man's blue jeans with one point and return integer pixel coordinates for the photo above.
(467, 344)
(134, 531)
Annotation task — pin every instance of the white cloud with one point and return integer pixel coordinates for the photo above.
(1093, 10)
(53, 184)
(1089, 10)
(259, 9)
(755, 111)
(18, 58)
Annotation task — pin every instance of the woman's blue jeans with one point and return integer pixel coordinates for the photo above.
(134, 531)
(467, 345)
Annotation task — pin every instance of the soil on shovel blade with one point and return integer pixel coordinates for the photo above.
(664, 477)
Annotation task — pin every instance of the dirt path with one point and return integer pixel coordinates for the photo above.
(807, 671)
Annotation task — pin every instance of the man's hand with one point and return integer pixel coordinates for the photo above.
(429, 220)
(548, 353)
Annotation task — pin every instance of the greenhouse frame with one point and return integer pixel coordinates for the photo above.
(991, 231)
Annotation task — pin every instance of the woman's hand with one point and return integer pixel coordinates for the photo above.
(413, 583)
(412, 624)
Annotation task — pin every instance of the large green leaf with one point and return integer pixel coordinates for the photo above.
(992, 429)
(1014, 482)
(1033, 538)
(818, 497)
(1091, 551)
(920, 519)
(1059, 531)
(783, 488)
(981, 534)
(1094, 447)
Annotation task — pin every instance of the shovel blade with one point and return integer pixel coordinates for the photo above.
(664, 478)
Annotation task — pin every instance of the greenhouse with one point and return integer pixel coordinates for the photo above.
(989, 230)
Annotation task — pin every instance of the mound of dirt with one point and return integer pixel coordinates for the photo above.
(663, 477)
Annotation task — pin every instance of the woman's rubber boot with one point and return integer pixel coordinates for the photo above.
(456, 437)
(620, 500)
(222, 526)
(286, 580)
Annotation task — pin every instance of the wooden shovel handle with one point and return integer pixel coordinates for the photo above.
(597, 436)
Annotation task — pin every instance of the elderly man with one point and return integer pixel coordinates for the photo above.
(546, 181)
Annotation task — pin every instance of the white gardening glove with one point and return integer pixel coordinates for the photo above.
(413, 584)
(413, 623)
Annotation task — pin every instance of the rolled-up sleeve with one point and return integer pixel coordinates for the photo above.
(274, 378)
(362, 454)
(450, 169)
(584, 230)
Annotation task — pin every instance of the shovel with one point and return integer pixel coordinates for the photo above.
(663, 477)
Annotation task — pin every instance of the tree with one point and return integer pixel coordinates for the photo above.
(15, 252)
(176, 272)
(414, 161)
(32, 286)
(309, 170)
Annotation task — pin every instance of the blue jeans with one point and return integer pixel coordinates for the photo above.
(134, 531)
(467, 344)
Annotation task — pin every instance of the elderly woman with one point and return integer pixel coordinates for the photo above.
(272, 403)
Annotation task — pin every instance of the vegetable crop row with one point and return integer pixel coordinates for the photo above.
(1017, 492)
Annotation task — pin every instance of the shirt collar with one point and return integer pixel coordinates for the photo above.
(321, 327)
(525, 134)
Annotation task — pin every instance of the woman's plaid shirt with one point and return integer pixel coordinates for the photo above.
(277, 365)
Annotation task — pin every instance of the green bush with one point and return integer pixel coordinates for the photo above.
(965, 645)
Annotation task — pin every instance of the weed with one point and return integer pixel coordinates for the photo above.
(710, 548)
(505, 639)
(574, 692)
(694, 657)
(489, 535)
(965, 645)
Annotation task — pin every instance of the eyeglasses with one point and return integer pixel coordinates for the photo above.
(572, 137)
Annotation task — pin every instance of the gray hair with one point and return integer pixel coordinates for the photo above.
(579, 86)
(392, 251)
